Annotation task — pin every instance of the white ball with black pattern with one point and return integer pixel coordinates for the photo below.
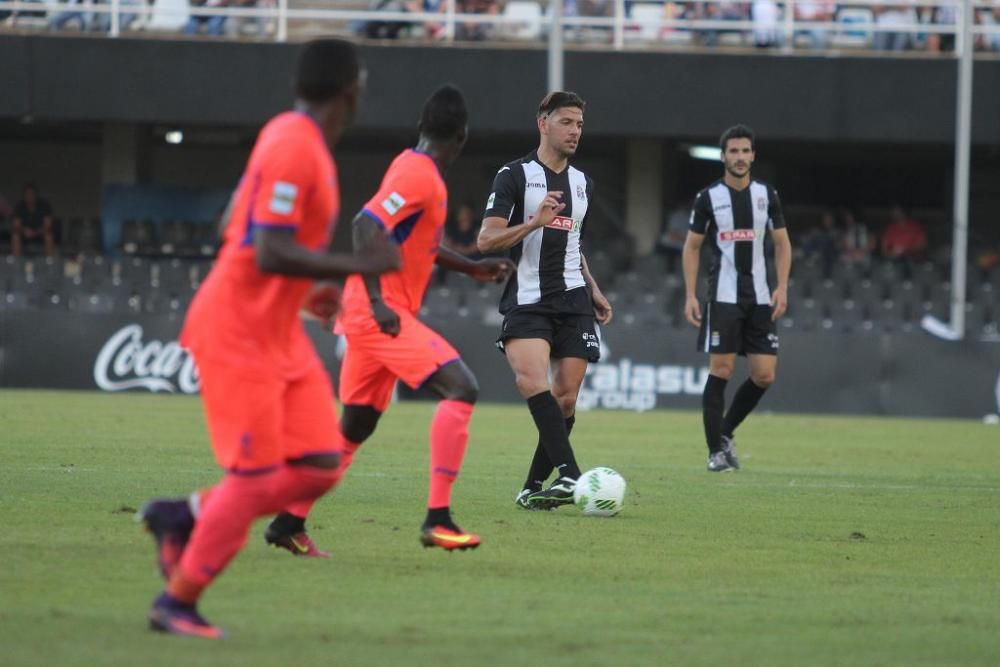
(600, 492)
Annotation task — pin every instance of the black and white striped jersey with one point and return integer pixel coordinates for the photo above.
(548, 259)
(735, 223)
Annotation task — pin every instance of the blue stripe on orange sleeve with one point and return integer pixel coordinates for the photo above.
(402, 231)
(367, 212)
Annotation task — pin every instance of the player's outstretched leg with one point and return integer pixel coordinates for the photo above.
(221, 531)
(541, 468)
(553, 430)
(288, 529)
(170, 522)
(449, 438)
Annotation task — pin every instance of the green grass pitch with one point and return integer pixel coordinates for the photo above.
(844, 541)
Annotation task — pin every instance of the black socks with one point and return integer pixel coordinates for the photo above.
(553, 434)
(541, 466)
(746, 399)
(713, 403)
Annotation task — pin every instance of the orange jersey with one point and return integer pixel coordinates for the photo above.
(411, 205)
(244, 315)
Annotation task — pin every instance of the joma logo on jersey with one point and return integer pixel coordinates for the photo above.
(738, 235)
(564, 223)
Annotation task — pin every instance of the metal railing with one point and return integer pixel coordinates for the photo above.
(853, 24)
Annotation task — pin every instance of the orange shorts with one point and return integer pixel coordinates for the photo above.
(258, 421)
(375, 360)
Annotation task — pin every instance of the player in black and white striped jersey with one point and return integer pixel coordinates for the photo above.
(735, 214)
(538, 212)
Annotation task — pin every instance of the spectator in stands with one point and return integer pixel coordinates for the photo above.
(823, 244)
(393, 29)
(719, 11)
(904, 241)
(990, 17)
(33, 224)
(460, 235)
(214, 25)
(988, 259)
(475, 32)
(73, 12)
(766, 17)
(815, 11)
(858, 243)
(670, 244)
(101, 22)
(942, 15)
(891, 16)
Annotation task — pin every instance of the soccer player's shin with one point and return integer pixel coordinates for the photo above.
(713, 403)
(553, 434)
(449, 438)
(541, 466)
(746, 399)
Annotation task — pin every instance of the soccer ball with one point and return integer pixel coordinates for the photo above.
(600, 492)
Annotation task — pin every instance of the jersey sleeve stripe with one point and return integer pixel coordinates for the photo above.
(367, 212)
(253, 226)
(402, 231)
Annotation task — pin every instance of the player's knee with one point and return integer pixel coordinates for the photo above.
(358, 422)
(763, 379)
(530, 384)
(466, 390)
(567, 403)
(722, 372)
(329, 461)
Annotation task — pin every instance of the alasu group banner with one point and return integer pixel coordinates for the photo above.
(820, 372)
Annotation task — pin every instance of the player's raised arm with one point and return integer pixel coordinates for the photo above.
(496, 236)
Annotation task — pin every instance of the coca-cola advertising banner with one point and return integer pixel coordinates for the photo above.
(640, 368)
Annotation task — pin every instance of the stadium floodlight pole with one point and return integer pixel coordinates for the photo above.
(281, 34)
(114, 27)
(963, 137)
(556, 46)
(955, 330)
(619, 34)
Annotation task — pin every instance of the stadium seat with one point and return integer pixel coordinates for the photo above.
(134, 271)
(95, 271)
(14, 300)
(529, 16)
(89, 301)
(138, 237)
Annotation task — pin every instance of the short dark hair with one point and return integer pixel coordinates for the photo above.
(445, 115)
(326, 67)
(559, 99)
(738, 132)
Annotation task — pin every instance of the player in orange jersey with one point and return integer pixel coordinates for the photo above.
(268, 400)
(386, 341)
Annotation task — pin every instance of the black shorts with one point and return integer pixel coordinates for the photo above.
(741, 328)
(569, 335)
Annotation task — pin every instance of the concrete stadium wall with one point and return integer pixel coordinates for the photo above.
(911, 375)
(875, 99)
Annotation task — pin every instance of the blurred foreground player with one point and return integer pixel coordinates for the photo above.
(268, 401)
(386, 341)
